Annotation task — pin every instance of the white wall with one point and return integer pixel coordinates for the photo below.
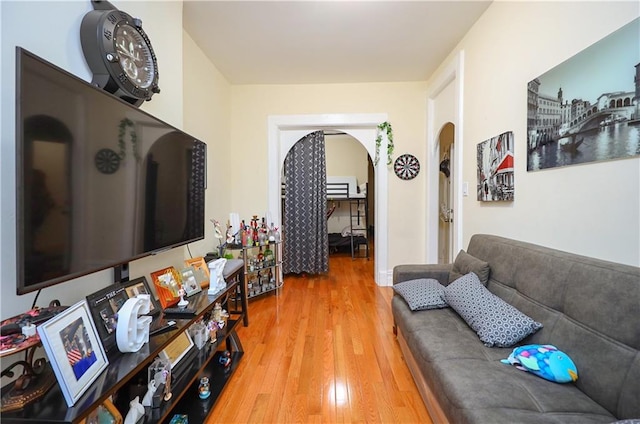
(51, 29)
(591, 209)
(404, 103)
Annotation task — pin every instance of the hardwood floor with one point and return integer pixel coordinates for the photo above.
(322, 350)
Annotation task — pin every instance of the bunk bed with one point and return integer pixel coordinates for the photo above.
(354, 236)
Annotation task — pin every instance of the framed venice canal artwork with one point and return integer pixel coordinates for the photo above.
(495, 169)
(587, 109)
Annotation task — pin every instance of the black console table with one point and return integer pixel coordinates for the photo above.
(125, 368)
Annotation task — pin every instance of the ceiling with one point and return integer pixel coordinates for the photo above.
(314, 42)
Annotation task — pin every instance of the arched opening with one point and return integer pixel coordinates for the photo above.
(286, 130)
(445, 193)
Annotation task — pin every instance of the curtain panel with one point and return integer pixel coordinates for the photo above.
(306, 245)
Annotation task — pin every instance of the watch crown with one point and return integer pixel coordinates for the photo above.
(137, 22)
(111, 57)
(155, 89)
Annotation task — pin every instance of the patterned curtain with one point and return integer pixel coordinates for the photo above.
(306, 244)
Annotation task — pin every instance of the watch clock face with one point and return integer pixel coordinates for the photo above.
(135, 56)
(406, 167)
(119, 53)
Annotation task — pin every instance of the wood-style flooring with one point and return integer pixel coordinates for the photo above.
(322, 350)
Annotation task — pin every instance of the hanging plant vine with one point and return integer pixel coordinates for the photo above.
(124, 123)
(385, 126)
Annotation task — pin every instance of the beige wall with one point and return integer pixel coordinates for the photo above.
(403, 102)
(199, 104)
(591, 209)
(346, 156)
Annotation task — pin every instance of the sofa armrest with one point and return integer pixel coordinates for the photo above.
(439, 272)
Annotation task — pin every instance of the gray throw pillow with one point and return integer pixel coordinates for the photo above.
(421, 294)
(496, 322)
(466, 263)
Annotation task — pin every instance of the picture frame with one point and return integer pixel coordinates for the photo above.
(104, 306)
(73, 346)
(138, 286)
(167, 283)
(105, 413)
(177, 349)
(201, 270)
(495, 168)
(189, 282)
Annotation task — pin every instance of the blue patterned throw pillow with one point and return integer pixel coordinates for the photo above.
(422, 294)
(496, 322)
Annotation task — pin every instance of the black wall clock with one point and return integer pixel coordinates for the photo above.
(119, 53)
(406, 166)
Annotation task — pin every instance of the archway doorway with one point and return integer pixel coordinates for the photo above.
(286, 130)
(445, 194)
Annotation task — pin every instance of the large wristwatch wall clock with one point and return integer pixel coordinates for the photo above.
(406, 166)
(119, 53)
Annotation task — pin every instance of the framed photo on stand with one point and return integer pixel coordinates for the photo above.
(141, 286)
(167, 282)
(189, 282)
(73, 347)
(104, 306)
(177, 349)
(201, 270)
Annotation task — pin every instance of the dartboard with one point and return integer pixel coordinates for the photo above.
(406, 166)
(107, 161)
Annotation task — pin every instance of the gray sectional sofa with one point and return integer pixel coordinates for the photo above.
(589, 309)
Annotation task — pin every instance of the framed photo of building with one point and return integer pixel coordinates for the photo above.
(73, 347)
(587, 108)
(495, 168)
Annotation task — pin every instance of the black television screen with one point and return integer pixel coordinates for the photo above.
(99, 182)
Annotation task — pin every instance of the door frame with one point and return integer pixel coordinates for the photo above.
(453, 73)
(285, 130)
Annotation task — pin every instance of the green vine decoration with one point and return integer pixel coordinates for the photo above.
(124, 123)
(385, 126)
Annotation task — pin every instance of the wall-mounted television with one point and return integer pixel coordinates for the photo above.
(99, 182)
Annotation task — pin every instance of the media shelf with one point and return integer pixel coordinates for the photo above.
(123, 368)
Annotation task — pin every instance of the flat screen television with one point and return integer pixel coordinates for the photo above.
(99, 182)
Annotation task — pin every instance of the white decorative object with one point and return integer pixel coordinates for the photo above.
(216, 268)
(183, 303)
(147, 400)
(136, 411)
(133, 330)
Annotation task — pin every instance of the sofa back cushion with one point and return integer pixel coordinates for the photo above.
(465, 263)
(588, 308)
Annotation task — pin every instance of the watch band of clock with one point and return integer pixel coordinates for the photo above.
(102, 5)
